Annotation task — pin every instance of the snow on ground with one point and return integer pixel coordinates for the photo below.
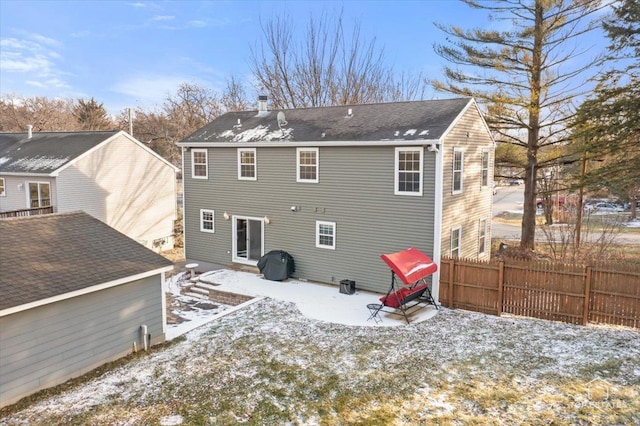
(303, 347)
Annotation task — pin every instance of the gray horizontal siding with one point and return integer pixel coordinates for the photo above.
(356, 190)
(45, 346)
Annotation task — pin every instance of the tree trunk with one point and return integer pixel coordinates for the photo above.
(527, 238)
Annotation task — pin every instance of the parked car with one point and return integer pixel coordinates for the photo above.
(604, 208)
(557, 201)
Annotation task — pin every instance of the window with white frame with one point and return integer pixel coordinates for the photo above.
(207, 220)
(458, 164)
(247, 169)
(408, 171)
(485, 168)
(199, 164)
(39, 194)
(482, 236)
(307, 162)
(326, 235)
(456, 238)
(3, 191)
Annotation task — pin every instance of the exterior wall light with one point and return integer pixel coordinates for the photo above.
(226, 215)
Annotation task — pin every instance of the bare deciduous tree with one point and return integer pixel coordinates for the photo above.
(234, 97)
(40, 112)
(325, 67)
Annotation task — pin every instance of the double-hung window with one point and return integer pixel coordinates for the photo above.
(326, 235)
(456, 238)
(482, 236)
(207, 221)
(3, 190)
(485, 168)
(199, 164)
(458, 172)
(408, 171)
(247, 164)
(39, 194)
(307, 165)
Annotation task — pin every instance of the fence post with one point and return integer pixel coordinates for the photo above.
(587, 294)
(451, 280)
(500, 287)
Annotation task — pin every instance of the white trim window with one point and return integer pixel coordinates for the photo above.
(484, 160)
(456, 239)
(39, 194)
(326, 235)
(207, 221)
(482, 236)
(408, 171)
(3, 188)
(247, 164)
(458, 171)
(199, 164)
(307, 165)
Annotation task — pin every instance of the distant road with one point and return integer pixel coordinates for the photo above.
(511, 198)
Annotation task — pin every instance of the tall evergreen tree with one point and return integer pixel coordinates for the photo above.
(526, 76)
(92, 115)
(609, 122)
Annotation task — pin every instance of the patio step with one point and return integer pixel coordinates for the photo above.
(204, 285)
(197, 295)
(196, 289)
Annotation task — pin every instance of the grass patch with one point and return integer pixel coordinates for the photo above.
(267, 364)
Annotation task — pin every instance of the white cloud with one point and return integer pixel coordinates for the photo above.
(163, 18)
(45, 40)
(196, 24)
(138, 4)
(149, 90)
(81, 34)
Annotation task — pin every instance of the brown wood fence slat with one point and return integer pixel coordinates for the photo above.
(606, 294)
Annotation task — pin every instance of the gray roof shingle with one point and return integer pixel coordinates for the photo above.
(45, 152)
(412, 120)
(50, 255)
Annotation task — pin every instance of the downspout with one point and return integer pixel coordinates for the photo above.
(437, 221)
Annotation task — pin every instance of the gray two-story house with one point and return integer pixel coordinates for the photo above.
(338, 186)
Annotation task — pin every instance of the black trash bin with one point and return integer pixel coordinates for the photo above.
(347, 286)
(277, 265)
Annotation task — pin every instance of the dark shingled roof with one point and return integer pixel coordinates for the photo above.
(369, 122)
(50, 255)
(45, 152)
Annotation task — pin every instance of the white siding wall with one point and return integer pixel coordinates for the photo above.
(124, 186)
(17, 192)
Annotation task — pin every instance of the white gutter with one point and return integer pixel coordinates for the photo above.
(437, 222)
(86, 290)
(280, 143)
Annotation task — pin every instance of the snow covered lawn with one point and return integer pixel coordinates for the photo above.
(269, 364)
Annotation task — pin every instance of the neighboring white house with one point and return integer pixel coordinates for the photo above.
(108, 174)
(75, 295)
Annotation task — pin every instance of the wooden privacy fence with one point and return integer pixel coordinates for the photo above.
(577, 294)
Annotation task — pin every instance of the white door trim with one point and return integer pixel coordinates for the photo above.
(234, 238)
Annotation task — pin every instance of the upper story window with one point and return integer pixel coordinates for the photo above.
(456, 238)
(408, 171)
(485, 168)
(39, 194)
(458, 173)
(207, 222)
(482, 236)
(326, 235)
(247, 168)
(307, 162)
(2, 188)
(199, 164)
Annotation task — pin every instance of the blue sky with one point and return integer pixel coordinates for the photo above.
(133, 53)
